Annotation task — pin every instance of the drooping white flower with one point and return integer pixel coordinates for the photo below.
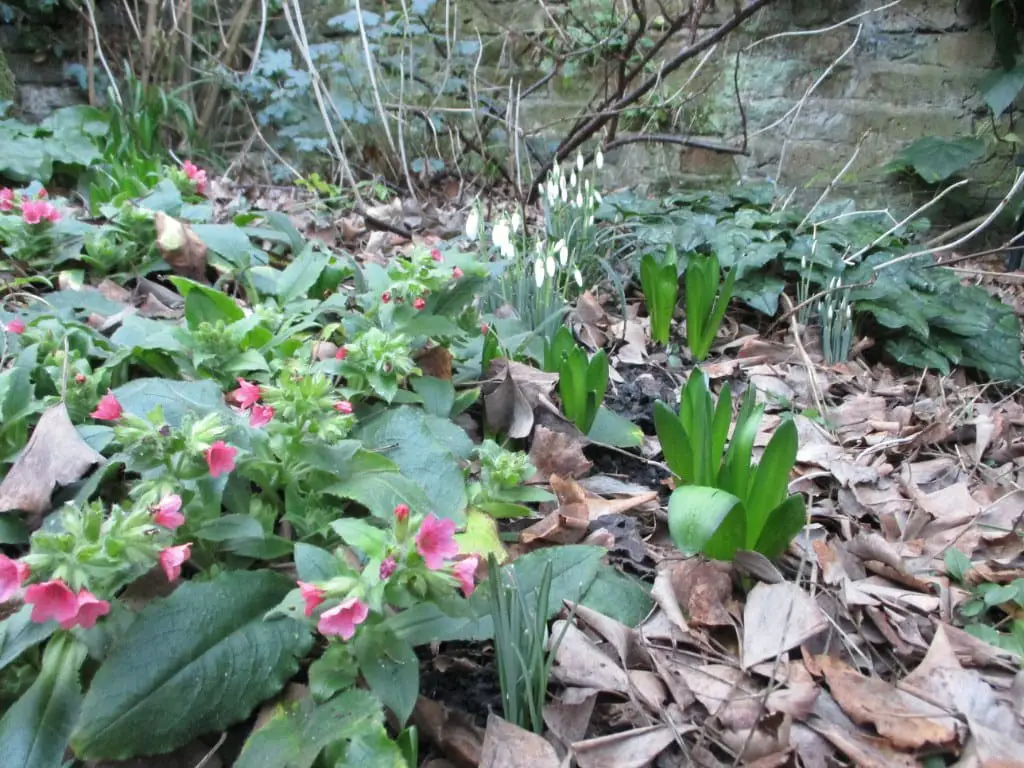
(508, 250)
(599, 159)
(550, 264)
(500, 233)
(578, 278)
(538, 272)
(597, 197)
(517, 221)
(472, 224)
(579, 160)
(563, 252)
(590, 221)
(579, 199)
(573, 181)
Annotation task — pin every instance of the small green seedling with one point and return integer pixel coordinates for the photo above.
(725, 502)
(659, 280)
(582, 382)
(707, 297)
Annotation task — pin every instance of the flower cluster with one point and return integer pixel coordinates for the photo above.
(15, 327)
(33, 210)
(403, 567)
(412, 280)
(375, 361)
(304, 402)
(196, 175)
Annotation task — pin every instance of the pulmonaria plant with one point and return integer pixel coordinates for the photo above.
(500, 491)
(375, 362)
(190, 178)
(26, 224)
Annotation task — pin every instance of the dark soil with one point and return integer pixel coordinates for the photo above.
(461, 676)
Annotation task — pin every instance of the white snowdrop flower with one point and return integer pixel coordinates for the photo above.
(573, 181)
(599, 159)
(590, 221)
(552, 192)
(803, 262)
(500, 233)
(508, 250)
(579, 160)
(550, 264)
(597, 197)
(578, 278)
(472, 224)
(849, 314)
(517, 221)
(564, 194)
(830, 313)
(538, 272)
(586, 185)
(539, 246)
(579, 199)
(563, 252)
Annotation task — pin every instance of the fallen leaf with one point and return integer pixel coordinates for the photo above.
(55, 455)
(778, 617)
(867, 751)
(578, 662)
(568, 523)
(451, 731)
(906, 720)
(629, 749)
(568, 715)
(725, 692)
(180, 247)
(553, 452)
(506, 745)
(435, 361)
(702, 588)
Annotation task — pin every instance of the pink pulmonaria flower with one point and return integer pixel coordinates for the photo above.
(261, 415)
(313, 596)
(80, 378)
(35, 211)
(387, 568)
(484, 329)
(344, 407)
(435, 541)
(465, 571)
(386, 296)
(52, 214)
(172, 558)
(341, 354)
(220, 458)
(196, 175)
(247, 394)
(16, 327)
(89, 608)
(419, 303)
(168, 512)
(51, 600)
(108, 408)
(402, 513)
(435, 254)
(12, 574)
(42, 194)
(6, 199)
(457, 273)
(343, 618)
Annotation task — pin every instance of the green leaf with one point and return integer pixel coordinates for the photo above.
(362, 535)
(315, 564)
(438, 394)
(229, 242)
(196, 662)
(619, 596)
(1000, 594)
(675, 443)
(1001, 87)
(709, 520)
(13, 529)
(935, 159)
(573, 570)
(229, 527)
(612, 429)
(784, 523)
(18, 633)
(299, 276)
(140, 396)
(205, 305)
(297, 733)
(381, 491)
(391, 669)
(957, 564)
(771, 479)
(407, 436)
(34, 732)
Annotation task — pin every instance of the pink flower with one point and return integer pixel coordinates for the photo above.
(484, 329)
(247, 394)
(172, 558)
(435, 541)
(261, 415)
(465, 571)
(51, 600)
(457, 273)
(80, 378)
(168, 512)
(220, 458)
(89, 609)
(343, 407)
(6, 199)
(419, 303)
(16, 327)
(343, 619)
(341, 354)
(12, 574)
(42, 194)
(52, 214)
(435, 254)
(196, 175)
(108, 408)
(313, 596)
(386, 296)
(35, 211)
(402, 513)
(387, 568)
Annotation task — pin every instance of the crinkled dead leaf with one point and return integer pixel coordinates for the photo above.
(55, 455)
(435, 361)
(702, 588)
(454, 733)
(512, 393)
(554, 452)
(568, 523)
(506, 745)
(568, 714)
(628, 749)
(578, 662)
(180, 247)
(778, 617)
(867, 751)
(906, 720)
(725, 692)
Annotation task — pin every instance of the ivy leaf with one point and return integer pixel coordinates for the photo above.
(199, 661)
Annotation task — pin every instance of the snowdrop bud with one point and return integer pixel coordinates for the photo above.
(508, 250)
(579, 199)
(500, 234)
(578, 278)
(830, 313)
(563, 252)
(599, 159)
(517, 221)
(539, 246)
(472, 224)
(552, 192)
(550, 264)
(597, 196)
(803, 262)
(538, 272)
(579, 160)
(849, 314)
(586, 184)
(564, 193)
(573, 181)
(590, 221)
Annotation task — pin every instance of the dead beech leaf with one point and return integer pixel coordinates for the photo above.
(778, 617)
(629, 749)
(435, 361)
(568, 715)
(568, 523)
(55, 455)
(906, 720)
(180, 247)
(556, 453)
(508, 746)
(578, 662)
(702, 587)
(453, 732)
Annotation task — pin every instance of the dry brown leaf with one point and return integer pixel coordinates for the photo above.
(568, 523)
(512, 393)
(180, 247)
(906, 720)
(451, 731)
(623, 639)
(778, 617)
(553, 452)
(725, 692)
(629, 749)
(568, 715)
(506, 745)
(578, 662)
(702, 589)
(55, 455)
(435, 361)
